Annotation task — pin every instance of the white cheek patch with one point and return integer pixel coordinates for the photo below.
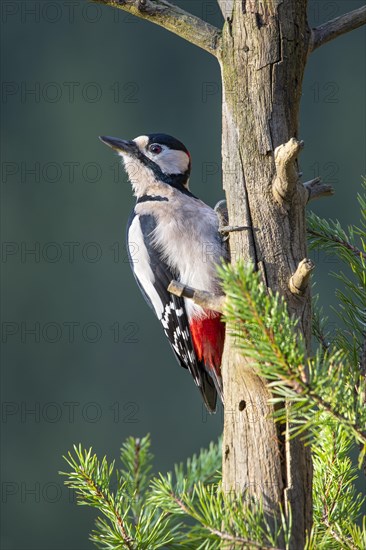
(172, 162)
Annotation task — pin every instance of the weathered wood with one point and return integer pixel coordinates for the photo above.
(248, 424)
(263, 55)
(336, 27)
(300, 279)
(287, 176)
(317, 189)
(202, 298)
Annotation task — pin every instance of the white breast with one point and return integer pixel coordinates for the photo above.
(186, 234)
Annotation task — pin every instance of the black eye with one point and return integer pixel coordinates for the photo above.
(155, 148)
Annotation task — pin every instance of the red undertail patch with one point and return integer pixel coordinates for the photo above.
(208, 336)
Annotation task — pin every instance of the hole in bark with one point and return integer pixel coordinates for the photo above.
(242, 405)
(259, 19)
(227, 451)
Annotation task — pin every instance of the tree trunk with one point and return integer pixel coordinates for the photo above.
(264, 50)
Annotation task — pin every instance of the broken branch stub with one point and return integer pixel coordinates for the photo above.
(285, 181)
(317, 189)
(202, 298)
(300, 279)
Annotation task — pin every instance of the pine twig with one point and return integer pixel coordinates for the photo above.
(126, 539)
(221, 534)
(337, 240)
(345, 543)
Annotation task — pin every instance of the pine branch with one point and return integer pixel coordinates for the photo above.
(130, 522)
(318, 326)
(204, 468)
(137, 461)
(322, 340)
(218, 516)
(326, 237)
(221, 534)
(266, 333)
(356, 428)
(336, 27)
(350, 247)
(362, 362)
(337, 506)
(235, 518)
(174, 19)
(345, 543)
(91, 480)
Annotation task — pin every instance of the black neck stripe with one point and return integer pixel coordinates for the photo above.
(148, 198)
(178, 181)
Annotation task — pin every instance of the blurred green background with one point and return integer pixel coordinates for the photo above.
(83, 359)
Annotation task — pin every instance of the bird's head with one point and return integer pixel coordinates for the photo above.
(153, 159)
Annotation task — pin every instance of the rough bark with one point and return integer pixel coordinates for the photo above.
(263, 55)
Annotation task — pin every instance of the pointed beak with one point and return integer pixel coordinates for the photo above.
(120, 145)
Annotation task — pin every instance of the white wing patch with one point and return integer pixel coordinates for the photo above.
(141, 265)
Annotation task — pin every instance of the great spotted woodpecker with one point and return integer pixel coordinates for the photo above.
(171, 234)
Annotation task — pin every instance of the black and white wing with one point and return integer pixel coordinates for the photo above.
(153, 276)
